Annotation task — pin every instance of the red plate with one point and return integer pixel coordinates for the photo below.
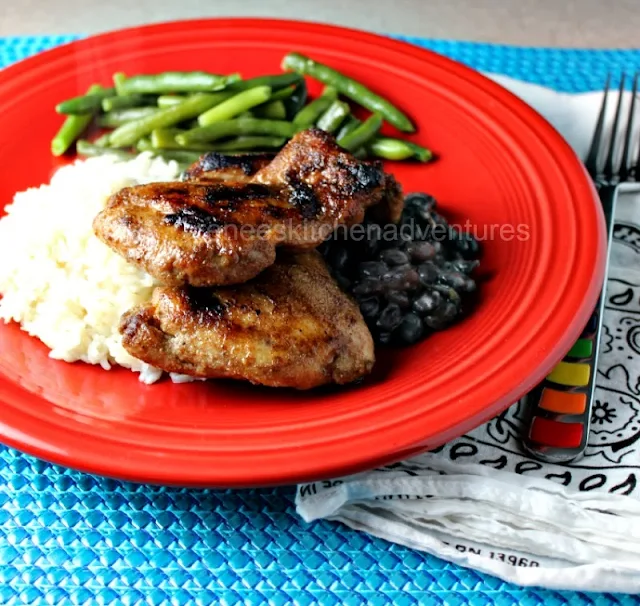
(502, 167)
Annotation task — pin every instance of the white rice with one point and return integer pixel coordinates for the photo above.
(61, 283)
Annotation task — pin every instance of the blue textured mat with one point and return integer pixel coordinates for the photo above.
(66, 537)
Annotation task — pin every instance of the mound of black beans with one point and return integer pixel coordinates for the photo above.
(409, 279)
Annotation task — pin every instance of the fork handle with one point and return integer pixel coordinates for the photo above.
(559, 409)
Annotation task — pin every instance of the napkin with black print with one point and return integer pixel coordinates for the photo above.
(481, 501)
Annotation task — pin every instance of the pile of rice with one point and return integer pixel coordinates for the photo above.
(61, 283)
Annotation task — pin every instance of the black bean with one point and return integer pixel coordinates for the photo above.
(401, 299)
(339, 258)
(370, 307)
(457, 281)
(411, 329)
(343, 282)
(367, 287)
(421, 251)
(403, 277)
(466, 267)
(467, 245)
(390, 318)
(428, 273)
(427, 302)
(393, 256)
(372, 269)
(420, 201)
(384, 338)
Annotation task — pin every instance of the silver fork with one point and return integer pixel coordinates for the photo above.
(607, 177)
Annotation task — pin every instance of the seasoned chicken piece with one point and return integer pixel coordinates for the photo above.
(215, 166)
(217, 233)
(291, 326)
(314, 158)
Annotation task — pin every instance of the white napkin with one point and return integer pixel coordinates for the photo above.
(480, 501)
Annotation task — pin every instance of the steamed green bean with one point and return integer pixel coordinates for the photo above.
(273, 110)
(249, 143)
(235, 105)
(333, 117)
(85, 148)
(362, 134)
(72, 128)
(125, 101)
(193, 106)
(118, 117)
(308, 115)
(397, 149)
(235, 128)
(87, 103)
(349, 87)
(174, 82)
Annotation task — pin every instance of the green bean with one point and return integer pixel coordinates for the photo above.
(174, 82)
(297, 100)
(333, 117)
(350, 88)
(84, 104)
(235, 128)
(235, 105)
(308, 115)
(165, 138)
(273, 110)
(72, 128)
(102, 141)
(91, 149)
(118, 80)
(182, 157)
(351, 123)
(169, 100)
(249, 143)
(397, 149)
(274, 82)
(282, 94)
(363, 134)
(144, 144)
(118, 117)
(125, 101)
(129, 133)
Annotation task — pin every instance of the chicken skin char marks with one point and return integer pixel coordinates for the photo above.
(291, 326)
(222, 224)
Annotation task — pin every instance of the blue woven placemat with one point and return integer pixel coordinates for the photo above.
(67, 537)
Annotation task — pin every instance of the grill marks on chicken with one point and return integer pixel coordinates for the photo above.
(291, 326)
(222, 224)
(215, 167)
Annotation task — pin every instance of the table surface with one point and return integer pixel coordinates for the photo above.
(67, 537)
(568, 23)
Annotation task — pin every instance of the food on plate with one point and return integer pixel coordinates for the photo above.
(186, 242)
(291, 326)
(409, 281)
(351, 88)
(218, 233)
(197, 111)
(217, 167)
(57, 280)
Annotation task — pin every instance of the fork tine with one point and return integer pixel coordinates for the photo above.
(609, 170)
(592, 157)
(625, 167)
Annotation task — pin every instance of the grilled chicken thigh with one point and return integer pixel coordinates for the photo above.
(291, 326)
(220, 231)
(215, 166)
